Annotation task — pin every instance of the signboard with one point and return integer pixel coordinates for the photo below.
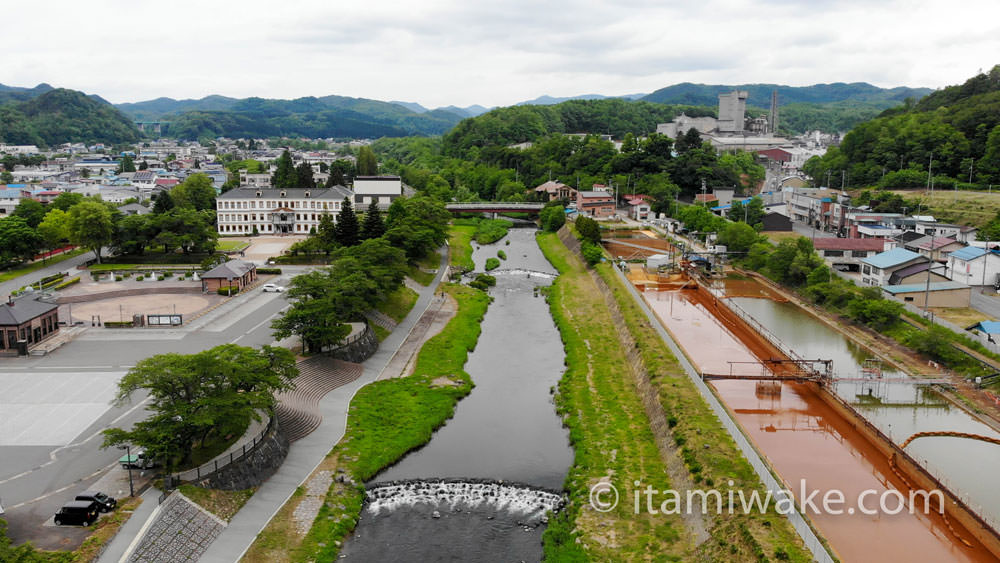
(164, 320)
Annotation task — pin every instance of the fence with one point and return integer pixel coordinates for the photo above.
(221, 462)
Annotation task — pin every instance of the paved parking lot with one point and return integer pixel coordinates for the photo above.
(51, 409)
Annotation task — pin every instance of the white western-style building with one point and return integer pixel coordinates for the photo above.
(383, 189)
(277, 211)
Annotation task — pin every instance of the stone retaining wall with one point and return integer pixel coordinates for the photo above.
(360, 349)
(254, 468)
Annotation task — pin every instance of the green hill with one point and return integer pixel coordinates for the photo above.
(958, 128)
(760, 94)
(61, 116)
(516, 124)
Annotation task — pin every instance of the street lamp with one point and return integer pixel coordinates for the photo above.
(128, 458)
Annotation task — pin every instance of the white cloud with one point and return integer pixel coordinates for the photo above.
(440, 52)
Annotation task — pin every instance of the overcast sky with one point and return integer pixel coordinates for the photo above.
(463, 52)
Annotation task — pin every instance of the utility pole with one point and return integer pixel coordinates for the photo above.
(930, 165)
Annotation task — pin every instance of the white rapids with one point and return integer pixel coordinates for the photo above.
(531, 502)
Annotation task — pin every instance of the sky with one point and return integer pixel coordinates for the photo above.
(464, 52)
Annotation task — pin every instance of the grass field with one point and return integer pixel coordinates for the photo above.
(8, 275)
(398, 304)
(959, 207)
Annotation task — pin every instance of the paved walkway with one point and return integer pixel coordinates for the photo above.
(26, 279)
(298, 410)
(307, 453)
(437, 315)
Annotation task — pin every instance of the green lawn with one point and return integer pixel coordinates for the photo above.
(8, 275)
(399, 303)
(226, 245)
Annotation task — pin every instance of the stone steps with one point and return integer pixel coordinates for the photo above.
(298, 410)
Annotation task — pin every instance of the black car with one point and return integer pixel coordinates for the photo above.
(82, 512)
(106, 503)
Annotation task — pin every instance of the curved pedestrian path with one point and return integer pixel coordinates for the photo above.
(298, 410)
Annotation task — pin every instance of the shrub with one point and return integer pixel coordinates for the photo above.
(491, 230)
(52, 278)
(502, 254)
(589, 229)
(268, 271)
(228, 290)
(507, 242)
(161, 278)
(492, 264)
(552, 218)
(116, 324)
(486, 279)
(591, 252)
(119, 278)
(478, 285)
(140, 277)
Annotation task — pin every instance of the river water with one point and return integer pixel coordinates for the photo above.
(802, 438)
(505, 430)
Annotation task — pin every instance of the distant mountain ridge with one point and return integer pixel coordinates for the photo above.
(60, 115)
(760, 94)
(546, 100)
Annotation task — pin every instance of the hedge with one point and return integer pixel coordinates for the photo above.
(116, 324)
(53, 277)
(228, 290)
(68, 282)
(269, 271)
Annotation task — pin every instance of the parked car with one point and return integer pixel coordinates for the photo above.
(80, 512)
(106, 503)
(138, 460)
(272, 287)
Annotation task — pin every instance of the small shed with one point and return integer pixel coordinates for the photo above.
(26, 322)
(234, 272)
(776, 222)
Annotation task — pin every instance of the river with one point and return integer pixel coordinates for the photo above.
(504, 432)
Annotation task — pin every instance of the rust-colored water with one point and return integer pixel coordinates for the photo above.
(804, 439)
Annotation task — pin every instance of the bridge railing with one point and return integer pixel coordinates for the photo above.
(769, 336)
(494, 205)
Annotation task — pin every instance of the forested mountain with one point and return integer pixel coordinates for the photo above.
(547, 100)
(760, 94)
(517, 124)
(329, 116)
(153, 110)
(61, 116)
(19, 94)
(956, 131)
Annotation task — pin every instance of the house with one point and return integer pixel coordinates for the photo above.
(638, 209)
(961, 233)
(918, 272)
(247, 210)
(382, 189)
(867, 224)
(134, 209)
(938, 294)
(848, 252)
(934, 247)
(776, 222)
(255, 180)
(556, 190)
(708, 200)
(595, 203)
(974, 266)
(233, 273)
(876, 270)
(25, 323)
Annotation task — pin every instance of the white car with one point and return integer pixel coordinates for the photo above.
(272, 287)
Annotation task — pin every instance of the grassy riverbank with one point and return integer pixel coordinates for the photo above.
(612, 439)
(708, 451)
(386, 419)
(609, 431)
(460, 242)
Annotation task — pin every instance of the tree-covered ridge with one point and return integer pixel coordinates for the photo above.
(955, 132)
(760, 94)
(517, 124)
(62, 116)
(329, 116)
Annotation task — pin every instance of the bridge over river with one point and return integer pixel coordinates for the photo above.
(495, 207)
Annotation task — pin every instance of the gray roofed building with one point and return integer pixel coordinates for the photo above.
(233, 273)
(27, 321)
(249, 210)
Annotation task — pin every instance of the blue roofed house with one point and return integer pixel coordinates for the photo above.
(974, 266)
(877, 270)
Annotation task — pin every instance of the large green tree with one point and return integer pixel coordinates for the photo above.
(373, 226)
(126, 165)
(347, 231)
(367, 163)
(195, 192)
(18, 241)
(31, 211)
(284, 176)
(91, 226)
(304, 176)
(196, 397)
(54, 228)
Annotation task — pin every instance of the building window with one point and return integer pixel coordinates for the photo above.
(859, 253)
(908, 299)
(833, 253)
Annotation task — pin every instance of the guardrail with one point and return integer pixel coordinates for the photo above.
(218, 463)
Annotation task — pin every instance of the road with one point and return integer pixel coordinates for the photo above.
(987, 303)
(807, 231)
(26, 279)
(55, 406)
